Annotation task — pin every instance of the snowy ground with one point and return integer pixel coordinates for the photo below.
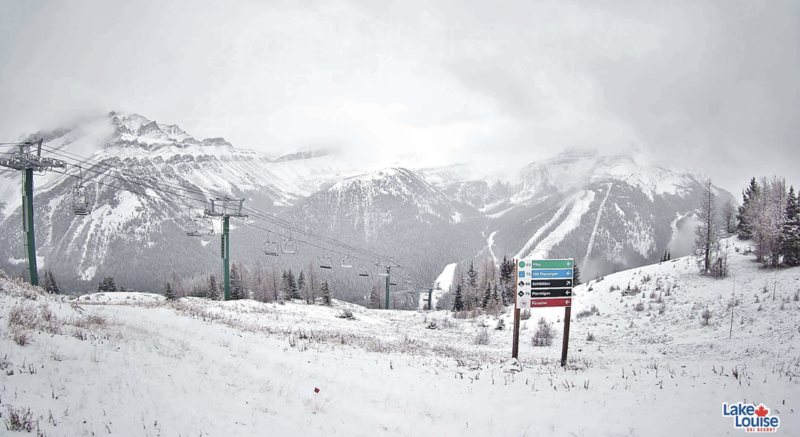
(131, 364)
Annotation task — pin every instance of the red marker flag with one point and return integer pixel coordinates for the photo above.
(316, 390)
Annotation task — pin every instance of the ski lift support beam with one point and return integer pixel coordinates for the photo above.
(225, 208)
(27, 161)
(388, 266)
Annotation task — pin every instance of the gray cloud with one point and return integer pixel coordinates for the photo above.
(711, 85)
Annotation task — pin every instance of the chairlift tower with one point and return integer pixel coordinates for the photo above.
(387, 272)
(225, 208)
(28, 159)
(429, 289)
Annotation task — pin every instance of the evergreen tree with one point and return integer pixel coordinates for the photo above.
(488, 295)
(168, 293)
(53, 284)
(326, 293)
(301, 280)
(472, 274)
(287, 291)
(48, 288)
(576, 276)
(669, 256)
(107, 285)
(292, 284)
(507, 269)
(458, 305)
(122, 289)
(213, 291)
(745, 227)
(790, 233)
(374, 298)
(237, 287)
(495, 295)
(706, 231)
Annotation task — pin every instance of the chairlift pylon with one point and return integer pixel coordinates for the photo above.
(80, 203)
(271, 247)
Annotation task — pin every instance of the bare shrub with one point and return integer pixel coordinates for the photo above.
(432, 325)
(20, 336)
(24, 316)
(482, 337)
(705, 317)
(646, 278)
(501, 325)
(590, 337)
(543, 335)
(20, 419)
(586, 313)
(347, 314)
(639, 306)
(525, 314)
(468, 314)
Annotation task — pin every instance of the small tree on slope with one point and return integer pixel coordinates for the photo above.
(458, 304)
(706, 235)
(745, 227)
(374, 298)
(326, 293)
(213, 290)
(168, 293)
(53, 284)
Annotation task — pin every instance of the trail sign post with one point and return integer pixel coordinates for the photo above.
(543, 283)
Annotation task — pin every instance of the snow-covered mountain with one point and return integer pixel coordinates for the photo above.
(607, 211)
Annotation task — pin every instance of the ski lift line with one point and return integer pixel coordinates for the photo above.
(268, 218)
(304, 242)
(174, 202)
(259, 214)
(312, 235)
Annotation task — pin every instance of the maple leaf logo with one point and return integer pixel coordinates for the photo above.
(761, 411)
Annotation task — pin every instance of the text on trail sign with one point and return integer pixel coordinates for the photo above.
(546, 264)
(565, 273)
(536, 303)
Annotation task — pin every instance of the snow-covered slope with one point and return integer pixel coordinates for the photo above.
(238, 368)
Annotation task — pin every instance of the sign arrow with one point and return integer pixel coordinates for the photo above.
(568, 293)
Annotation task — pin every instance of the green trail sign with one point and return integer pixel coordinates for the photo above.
(547, 264)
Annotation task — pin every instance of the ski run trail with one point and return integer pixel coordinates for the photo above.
(597, 224)
(131, 364)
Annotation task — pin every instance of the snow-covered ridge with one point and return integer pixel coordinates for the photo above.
(573, 169)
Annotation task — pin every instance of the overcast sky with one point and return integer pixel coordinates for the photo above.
(712, 85)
